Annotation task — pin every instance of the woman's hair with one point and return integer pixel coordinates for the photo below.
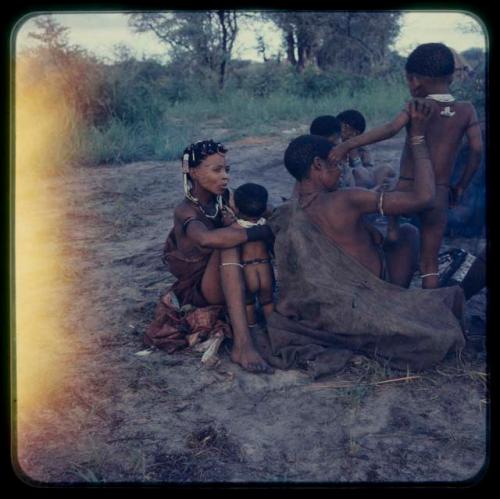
(251, 199)
(198, 151)
(300, 154)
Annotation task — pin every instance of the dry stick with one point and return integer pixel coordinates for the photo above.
(339, 385)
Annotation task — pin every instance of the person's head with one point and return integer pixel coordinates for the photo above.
(306, 157)
(250, 200)
(326, 126)
(352, 123)
(207, 167)
(429, 67)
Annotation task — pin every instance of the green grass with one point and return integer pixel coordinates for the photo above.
(233, 115)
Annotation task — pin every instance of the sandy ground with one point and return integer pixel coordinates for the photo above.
(121, 417)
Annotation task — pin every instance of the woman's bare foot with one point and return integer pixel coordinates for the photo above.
(250, 360)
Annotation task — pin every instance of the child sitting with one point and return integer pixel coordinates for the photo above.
(329, 127)
(250, 204)
(429, 73)
(364, 172)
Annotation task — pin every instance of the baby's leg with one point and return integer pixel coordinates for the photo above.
(265, 272)
(251, 319)
(432, 228)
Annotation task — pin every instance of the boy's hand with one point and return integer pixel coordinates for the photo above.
(338, 153)
(420, 112)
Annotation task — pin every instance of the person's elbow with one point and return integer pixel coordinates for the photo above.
(205, 240)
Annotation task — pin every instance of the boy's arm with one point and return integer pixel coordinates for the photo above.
(475, 143)
(376, 134)
(399, 202)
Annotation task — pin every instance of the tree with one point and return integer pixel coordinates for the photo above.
(69, 70)
(352, 41)
(201, 40)
(52, 34)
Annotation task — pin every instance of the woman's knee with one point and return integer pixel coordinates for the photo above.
(409, 233)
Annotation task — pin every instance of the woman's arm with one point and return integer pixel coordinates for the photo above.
(227, 237)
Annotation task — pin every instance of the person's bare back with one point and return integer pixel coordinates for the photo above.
(429, 73)
(444, 136)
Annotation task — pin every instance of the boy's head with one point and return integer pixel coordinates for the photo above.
(251, 200)
(308, 151)
(429, 65)
(326, 126)
(352, 122)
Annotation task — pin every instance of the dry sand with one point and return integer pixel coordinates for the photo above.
(121, 417)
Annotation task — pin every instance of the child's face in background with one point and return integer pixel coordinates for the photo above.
(335, 139)
(348, 132)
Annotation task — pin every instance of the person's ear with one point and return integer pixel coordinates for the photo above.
(193, 173)
(317, 163)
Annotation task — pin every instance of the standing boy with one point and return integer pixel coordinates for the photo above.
(429, 73)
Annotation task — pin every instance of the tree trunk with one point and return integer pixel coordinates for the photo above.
(290, 46)
(222, 66)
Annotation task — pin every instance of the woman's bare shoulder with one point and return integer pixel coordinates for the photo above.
(184, 210)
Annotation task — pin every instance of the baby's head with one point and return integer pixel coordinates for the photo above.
(429, 65)
(326, 126)
(352, 123)
(250, 200)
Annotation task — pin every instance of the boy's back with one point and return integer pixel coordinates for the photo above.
(444, 136)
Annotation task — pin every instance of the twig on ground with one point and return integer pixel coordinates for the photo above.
(350, 385)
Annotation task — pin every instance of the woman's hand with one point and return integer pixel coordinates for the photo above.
(228, 217)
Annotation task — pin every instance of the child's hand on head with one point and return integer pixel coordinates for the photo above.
(339, 152)
(420, 111)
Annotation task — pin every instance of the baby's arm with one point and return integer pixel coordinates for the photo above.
(474, 139)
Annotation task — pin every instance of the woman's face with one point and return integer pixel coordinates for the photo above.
(330, 173)
(212, 174)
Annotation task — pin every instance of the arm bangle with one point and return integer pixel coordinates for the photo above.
(380, 202)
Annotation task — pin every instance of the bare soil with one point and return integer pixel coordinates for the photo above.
(121, 417)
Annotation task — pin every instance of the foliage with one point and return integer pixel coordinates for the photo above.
(204, 38)
(74, 109)
(357, 42)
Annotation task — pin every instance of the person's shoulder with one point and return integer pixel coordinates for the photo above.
(184, 210)
(464, 106)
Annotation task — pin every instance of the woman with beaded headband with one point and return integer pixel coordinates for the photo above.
(203, 253)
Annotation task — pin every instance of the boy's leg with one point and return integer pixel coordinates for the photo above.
(223, 282)
(402, 255)
(432, 228)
